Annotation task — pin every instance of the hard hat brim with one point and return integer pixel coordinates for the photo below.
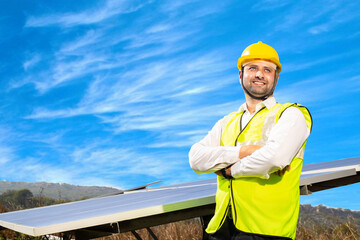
(244, 59)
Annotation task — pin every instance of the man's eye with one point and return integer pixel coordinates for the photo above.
(252, 68)
(268, 70)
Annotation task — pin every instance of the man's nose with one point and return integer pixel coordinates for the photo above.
(259, 74)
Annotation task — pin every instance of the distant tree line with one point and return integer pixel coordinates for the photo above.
(58, 191)
(12, 200)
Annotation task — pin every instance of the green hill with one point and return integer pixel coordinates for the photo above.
(324, 216)
(58, 191)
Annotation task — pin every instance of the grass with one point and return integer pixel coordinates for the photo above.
(330, 228)
(349, 230)
(188, 229)
(192, 230)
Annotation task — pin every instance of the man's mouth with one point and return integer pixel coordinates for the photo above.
(258, 83)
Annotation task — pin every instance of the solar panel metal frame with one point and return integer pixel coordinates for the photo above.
(160, 204)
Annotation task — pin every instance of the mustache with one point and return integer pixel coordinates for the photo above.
(259, 80)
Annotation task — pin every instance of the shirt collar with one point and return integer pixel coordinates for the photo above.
(268, 103)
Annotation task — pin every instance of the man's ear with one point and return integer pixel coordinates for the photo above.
(276, 77)
(240, 76)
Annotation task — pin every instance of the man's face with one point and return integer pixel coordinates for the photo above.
(259, 78)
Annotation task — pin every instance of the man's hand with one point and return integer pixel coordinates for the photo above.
(248, 150)
(227, 170)
(282, 171)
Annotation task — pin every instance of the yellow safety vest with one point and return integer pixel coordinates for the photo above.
(261, 206)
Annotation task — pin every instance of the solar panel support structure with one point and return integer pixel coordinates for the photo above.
(205, 212)
(304, 190)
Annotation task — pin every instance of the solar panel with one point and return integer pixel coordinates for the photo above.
(153, 206)
(336, 165)
(91, 212)
(325, 175)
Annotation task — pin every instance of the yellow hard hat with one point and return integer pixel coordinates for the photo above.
(259, 51)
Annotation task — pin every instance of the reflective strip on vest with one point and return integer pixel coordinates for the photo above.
(261, 206)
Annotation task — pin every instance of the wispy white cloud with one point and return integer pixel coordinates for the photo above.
(268, 5)
(163, 109)
(171, 118)
(340, 14)
(49, 140)
(49, 173)
(35, 169)
(354, 82)
(89, 39)
(308, 91)
(158, 28)
(170, 80)
(90, 53)
(94, 15)
(97, 156)
(195, 90)
(176, 5)
(92, 165)
(315, 18)
(69, 70)
(32, 61)
(178, 138)
(159, 38)
(6, 155)
(292, 66)
(326, 112)
(110, 163)
(40, 113)
(315, 90)
(9, 146)
(63, 71)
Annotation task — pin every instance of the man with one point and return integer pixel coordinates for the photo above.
(257, 153)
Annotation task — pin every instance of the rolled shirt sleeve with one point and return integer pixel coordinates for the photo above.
(285, 140)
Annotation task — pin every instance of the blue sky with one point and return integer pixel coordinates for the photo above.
(115, 92)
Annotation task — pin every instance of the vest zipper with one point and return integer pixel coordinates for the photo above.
(233, 209)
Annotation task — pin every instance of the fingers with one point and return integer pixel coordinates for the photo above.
(226, 172)
(282, 171)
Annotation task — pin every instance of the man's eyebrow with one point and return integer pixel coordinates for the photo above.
(255, 65)
(268, 67)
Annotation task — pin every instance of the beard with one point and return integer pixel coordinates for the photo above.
(263, 89)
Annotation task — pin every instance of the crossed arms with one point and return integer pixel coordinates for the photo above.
(285, 140)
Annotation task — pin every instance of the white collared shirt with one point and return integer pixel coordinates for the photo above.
(285, 140)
